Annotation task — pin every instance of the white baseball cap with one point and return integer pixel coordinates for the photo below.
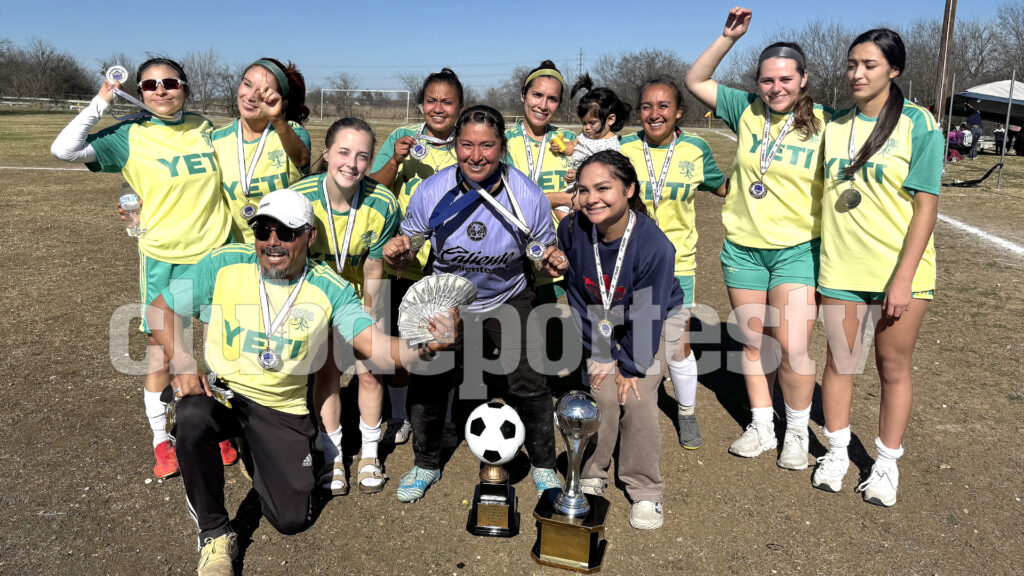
(287, 207)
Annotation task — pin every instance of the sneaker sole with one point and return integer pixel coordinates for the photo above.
(785, 467)
(754, 454)
(878, 501)
(654, 526)
(825, 486)
(691, 445)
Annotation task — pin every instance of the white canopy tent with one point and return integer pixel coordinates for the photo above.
(991, 99)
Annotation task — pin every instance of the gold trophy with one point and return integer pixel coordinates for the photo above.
(570, 524)
(494, 433)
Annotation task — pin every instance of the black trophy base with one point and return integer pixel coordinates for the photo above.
(570, 543)
(494, 511)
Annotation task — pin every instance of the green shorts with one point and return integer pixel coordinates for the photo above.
(154, 277)
(548, 293)
(763, 269)
(866, 297)
(687, 284)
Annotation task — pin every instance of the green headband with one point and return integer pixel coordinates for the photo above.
(282, 80)
(544, 72)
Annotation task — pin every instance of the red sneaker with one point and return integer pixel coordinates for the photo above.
(228, 454)
(166, 461)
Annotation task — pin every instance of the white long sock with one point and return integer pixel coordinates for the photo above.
(797, 418)
(684, 379)
(332, 444)
(371, 436)
(762, 416)
(448, 414)
(838, 441)
(398, 396)
(886, 453)
(156, 413)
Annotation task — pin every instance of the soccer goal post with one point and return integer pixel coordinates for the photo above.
(380, 105)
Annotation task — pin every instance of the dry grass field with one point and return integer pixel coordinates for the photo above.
(75, 454)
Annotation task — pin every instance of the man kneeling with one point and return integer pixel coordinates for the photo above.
(270, 313)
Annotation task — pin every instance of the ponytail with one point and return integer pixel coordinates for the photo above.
(891, 46)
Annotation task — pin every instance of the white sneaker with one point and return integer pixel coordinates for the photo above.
(754, 440)
(593, 486)
(794, 449)
(880, 487)
(397, 432)
(646, 515)
(828, 476)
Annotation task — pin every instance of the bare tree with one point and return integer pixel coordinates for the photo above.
(628, 71)
(1009, 31)
(205, 71)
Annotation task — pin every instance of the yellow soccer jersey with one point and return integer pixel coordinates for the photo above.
(226, 284)
(274, 170)
(555, 166)
(861, 246)
(411, 172)
(790, 214)
(377, 221)
(172, 167)
(693, 168)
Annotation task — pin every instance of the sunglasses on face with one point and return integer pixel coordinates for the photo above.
(284, 234)
(168, 84)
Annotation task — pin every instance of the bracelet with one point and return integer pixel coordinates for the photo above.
(426, 353)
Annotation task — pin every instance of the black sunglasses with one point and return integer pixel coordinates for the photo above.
(284, 233)
(167, 83)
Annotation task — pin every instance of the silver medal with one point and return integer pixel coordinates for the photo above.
(117, 74)
(535, 250)
(605, 328)
(248, 211)
(851, 198)
(758, 190)
(418, 151)
(269, 360)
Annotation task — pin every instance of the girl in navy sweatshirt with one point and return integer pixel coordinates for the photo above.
(622, 287)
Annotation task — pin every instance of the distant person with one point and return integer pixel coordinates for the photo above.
(999, 134)
(172, 166)
(977, 130)
(248, 288)
(877, 250)
(772, 219)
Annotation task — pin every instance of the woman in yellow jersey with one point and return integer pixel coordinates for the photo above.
(883, 161)
(165, 155)
(265, 148)
(409, 156)
(537, 148)
(672, 166)
(772, 219)
(355, 218)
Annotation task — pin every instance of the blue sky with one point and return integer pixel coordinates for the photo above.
(481, 41)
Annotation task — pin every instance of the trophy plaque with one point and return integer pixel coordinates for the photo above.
(570, 524)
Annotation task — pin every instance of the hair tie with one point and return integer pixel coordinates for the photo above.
(282, 80)
(544, 72)
(781, 52)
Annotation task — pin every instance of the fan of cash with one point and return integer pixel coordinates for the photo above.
(428, 297)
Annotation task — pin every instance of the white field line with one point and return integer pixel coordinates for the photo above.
(729, 136)
(1005, 244)
(43, 168)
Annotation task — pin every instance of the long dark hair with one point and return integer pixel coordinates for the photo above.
(445, 76)
(295, 108)
(603, 101)
(891, 46)
(804, 120)
(352, 123)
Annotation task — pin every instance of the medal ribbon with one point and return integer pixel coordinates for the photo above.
(657, 185)
(607, 293)
(341, 256)
(271, 328)
(518, 219)
(245, 174)
(534, 170)
(435, 141)
(448, 206)
(853, 143)
(766, 156)
(132, 100)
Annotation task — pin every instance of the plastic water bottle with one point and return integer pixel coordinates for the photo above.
(132, 206)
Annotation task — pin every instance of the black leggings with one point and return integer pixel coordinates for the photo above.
(528, 390)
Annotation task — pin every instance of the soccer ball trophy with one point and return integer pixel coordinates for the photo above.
(494, 434)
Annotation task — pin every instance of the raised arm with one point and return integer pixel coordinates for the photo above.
(698, 79)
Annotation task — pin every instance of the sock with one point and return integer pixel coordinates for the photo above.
(156, 413)
(332, 444)
(886, 454)
(684, 379)
(371, 435)
(762, 416)
(448, 414)
(838, 441)
(398, 396)
(685, 410)
(797, 418)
